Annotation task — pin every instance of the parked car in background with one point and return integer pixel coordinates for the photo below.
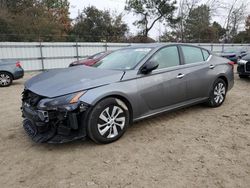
(91, 60)
(244, 67)
(233, 54)
(10, 70)
(128, 85)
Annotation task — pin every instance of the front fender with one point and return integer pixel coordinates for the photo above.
(125, 90)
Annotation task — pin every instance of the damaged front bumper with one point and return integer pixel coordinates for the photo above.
(54, 126)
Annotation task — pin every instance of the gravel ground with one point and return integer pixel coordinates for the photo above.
(193, 147)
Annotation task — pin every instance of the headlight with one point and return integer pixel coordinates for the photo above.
(65, 103)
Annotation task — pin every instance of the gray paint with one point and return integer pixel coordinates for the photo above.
(149, 94)
(59, 82)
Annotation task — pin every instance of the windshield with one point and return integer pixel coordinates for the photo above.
(123, 59)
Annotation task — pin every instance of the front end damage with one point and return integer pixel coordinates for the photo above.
(53, 121)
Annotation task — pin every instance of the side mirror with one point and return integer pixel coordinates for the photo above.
(149, 67)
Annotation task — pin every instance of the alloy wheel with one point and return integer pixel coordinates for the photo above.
(219, 93)
(111, 121)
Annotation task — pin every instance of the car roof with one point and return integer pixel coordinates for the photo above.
(159, 45)
(148, 45)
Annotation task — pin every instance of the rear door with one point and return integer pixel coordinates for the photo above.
(197, 71)
(166, 85)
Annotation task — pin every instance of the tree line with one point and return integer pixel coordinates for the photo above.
(185, 21)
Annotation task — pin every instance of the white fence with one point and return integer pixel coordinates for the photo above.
(40, 56)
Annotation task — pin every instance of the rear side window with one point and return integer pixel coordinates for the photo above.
(192, 54)
(205, 54)
(167, 57)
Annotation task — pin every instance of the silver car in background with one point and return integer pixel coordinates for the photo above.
(10, 70)
(130, 84)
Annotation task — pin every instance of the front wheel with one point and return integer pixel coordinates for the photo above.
(108, 120)
(218, 93)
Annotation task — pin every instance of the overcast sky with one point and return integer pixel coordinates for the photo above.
(118, 6)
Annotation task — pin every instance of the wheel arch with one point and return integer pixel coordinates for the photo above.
(224, 78)
(221, 76)
(4, 71)
(123, 99)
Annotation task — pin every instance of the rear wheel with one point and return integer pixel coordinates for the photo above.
(108, 120)
(218, 93)
(243, 76)
(5, 79)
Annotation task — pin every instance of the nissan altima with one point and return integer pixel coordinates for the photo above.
(130, 84)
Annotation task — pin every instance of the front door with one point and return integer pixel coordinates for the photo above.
(166, 85)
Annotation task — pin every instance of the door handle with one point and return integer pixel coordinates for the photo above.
(211, 66)
(180, 75)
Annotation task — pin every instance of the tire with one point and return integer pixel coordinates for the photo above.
(108, 121)
(243, 76)
(5, 79)
(218, 93)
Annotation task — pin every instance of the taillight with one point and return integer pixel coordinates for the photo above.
(18, 64)
(232, 64)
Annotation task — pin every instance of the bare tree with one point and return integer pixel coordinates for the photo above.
(214, 6)
(237, 18)
(150, 12)
(186, 6)
(236, 14)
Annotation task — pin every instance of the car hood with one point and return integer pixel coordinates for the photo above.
(59, 82)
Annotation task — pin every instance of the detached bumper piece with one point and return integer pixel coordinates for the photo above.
(52, 126)
(33, 131)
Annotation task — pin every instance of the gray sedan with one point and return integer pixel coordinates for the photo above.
(10, 70)
(128, 85)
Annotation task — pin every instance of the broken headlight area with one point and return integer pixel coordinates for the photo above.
(54, 120)
(64, 103)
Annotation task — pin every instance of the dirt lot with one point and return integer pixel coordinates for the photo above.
(194, 147)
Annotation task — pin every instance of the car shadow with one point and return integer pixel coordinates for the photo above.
(16, 83)
(245, 79)
(65, 147)
(135, 127)
(167, 116)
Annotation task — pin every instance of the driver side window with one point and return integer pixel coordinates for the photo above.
(167, 57)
